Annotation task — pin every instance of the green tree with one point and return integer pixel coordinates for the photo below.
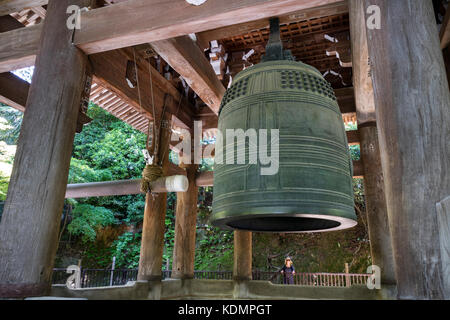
(86, 219)
(107, 149)
(10, 121)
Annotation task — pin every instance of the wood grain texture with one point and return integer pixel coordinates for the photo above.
(186, 58)
(205, 179)
(376, 208)
(443, 212)
(358, 169)
(203, 38)
(346, 99)
(412, 105)
(185, 227)
(18, 48)
(153, 227)
(130, 23)
(140, 21)
(30, 222)
(353, 137)
(362, 81)
(8, 23)
(13, 91)
(11, 6)
(242, 268)
(109, 71)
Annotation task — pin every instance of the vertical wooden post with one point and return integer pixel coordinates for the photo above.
(412, 105)
(347, 276)
(185, 227)
(32, 212)
(242, 269)
(376, 207)
(377, 216)
(153, 228)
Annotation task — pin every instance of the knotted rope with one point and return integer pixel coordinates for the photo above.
(150, 174)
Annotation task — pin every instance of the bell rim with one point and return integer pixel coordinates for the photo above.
(223, 219)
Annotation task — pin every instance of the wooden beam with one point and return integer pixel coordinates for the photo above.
(108, 78)
(209, 120)
(353, 137)
(124, 187)
(186, 58)
(374, 192)
(203, 38)
(140, 21)
(412, 106)
(127, 187)
(362, 80)
(346, 99)
(33, 207)
(344, 93)
(204, 179)
(18, 48)
(445, 30)
(109, 70)
(13, 91)
(8, 23)
(358, 169)
(11, 6)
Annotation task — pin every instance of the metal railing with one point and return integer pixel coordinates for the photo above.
(330, 279)
(91, 278)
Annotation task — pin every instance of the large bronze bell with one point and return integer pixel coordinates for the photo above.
(312, 189)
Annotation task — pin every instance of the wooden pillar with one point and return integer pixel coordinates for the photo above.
(185, 227)
(242, 269)
(412, 105)
(153, 228)
(377, 214)
(33, 208)
(376, 208)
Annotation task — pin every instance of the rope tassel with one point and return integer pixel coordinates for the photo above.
(150, 174)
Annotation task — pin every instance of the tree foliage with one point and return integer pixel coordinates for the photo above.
(107, 149)
(87, 218)
(10, 122)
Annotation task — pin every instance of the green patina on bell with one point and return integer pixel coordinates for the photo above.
(312, 190)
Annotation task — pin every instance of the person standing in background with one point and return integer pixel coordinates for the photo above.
(288, 271)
